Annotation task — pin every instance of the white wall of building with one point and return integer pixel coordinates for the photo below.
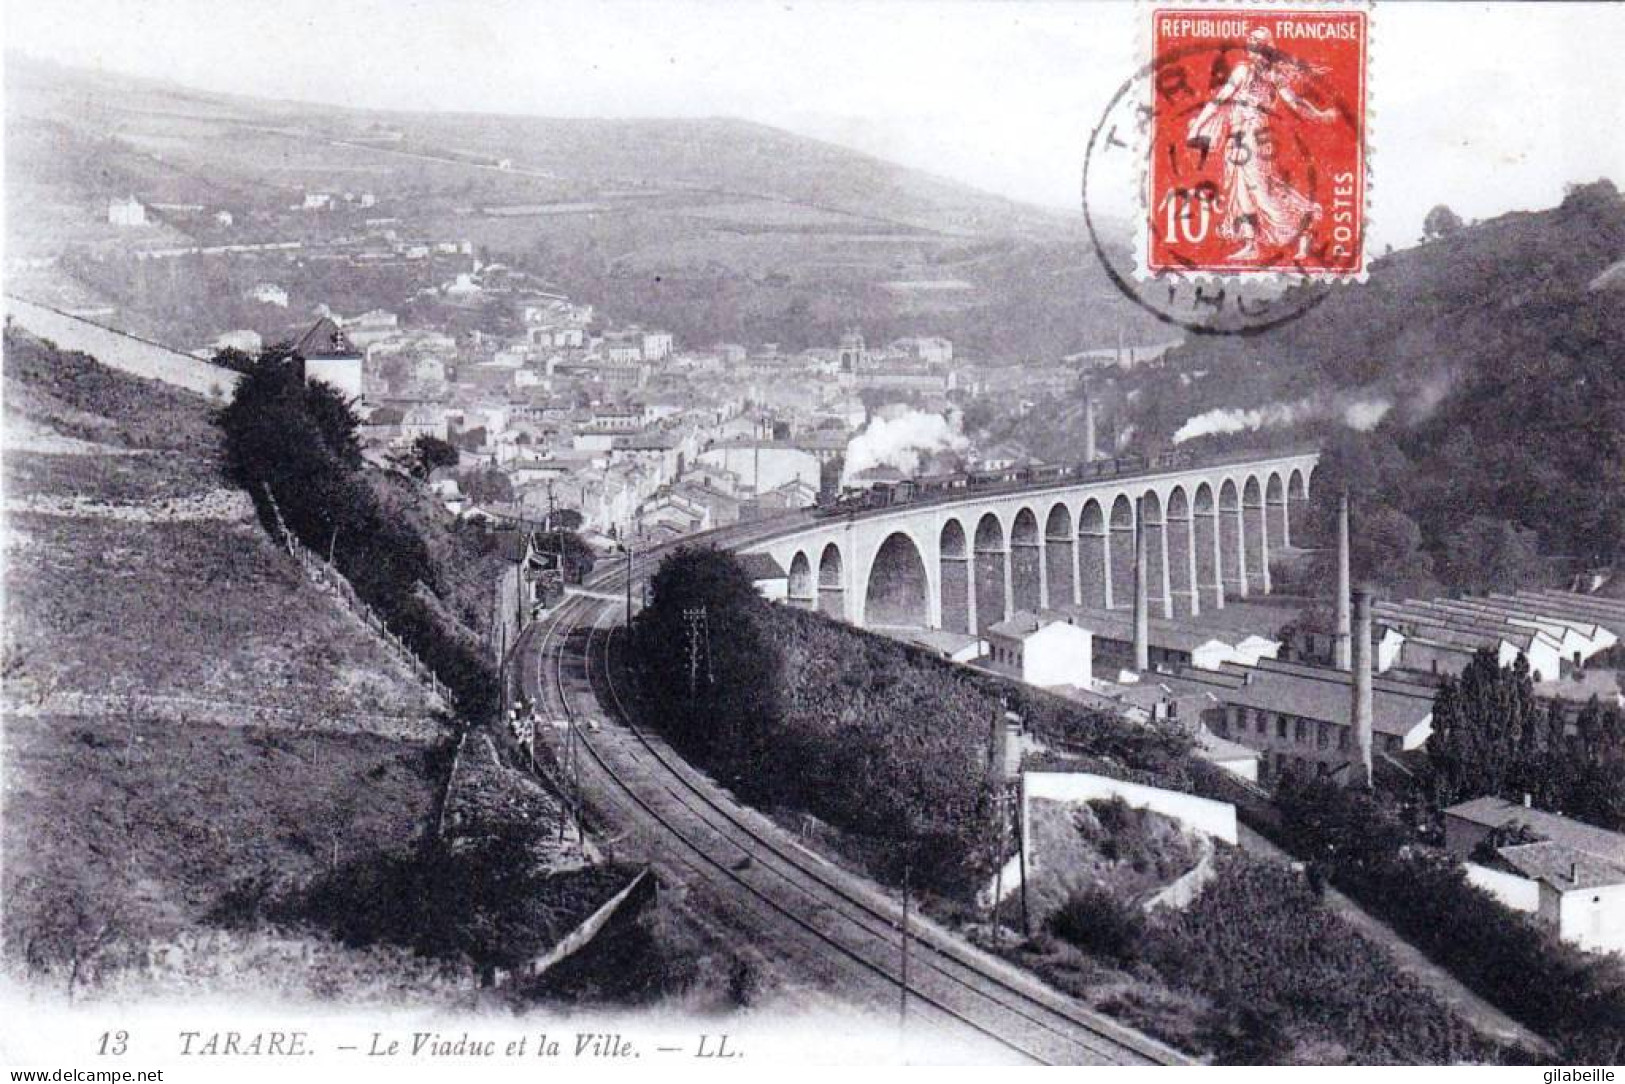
(1058, 654)
(1592, 918)
(1518, 893)
(343, 374)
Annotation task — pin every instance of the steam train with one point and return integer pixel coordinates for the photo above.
(936, 487)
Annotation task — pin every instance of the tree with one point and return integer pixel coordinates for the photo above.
(1385, 551)
(1099, 923)
(430, 453)
(488, 486)
(704, 657)
(576, 557)
(238, 361)
(1487, 554)
(1440, 222)
(1488, 730)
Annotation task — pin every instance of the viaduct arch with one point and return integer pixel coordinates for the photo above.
(966, 562)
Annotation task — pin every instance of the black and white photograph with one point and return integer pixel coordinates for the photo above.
(722, 536)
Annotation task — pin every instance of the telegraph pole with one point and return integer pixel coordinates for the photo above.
(629, 588)
(902, 993)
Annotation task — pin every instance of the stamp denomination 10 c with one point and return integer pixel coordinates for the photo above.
(1257, 149)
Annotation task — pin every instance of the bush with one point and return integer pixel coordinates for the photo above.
(1257, 937)
(1098, 923)
(1574, 999)
(1246, 1035)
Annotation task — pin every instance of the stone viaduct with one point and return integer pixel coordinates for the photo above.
(964, 561)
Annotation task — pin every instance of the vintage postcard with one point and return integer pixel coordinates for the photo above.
(722, 537)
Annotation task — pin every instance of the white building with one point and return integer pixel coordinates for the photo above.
(657, 345)
(269, 293)
(930, 349)
(126, 212)
(1046, 650)
(329, 357)
(249, 342)
(762, 466)
(1568, 874)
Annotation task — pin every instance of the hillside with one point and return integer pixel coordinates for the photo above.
(1433, 319)
(184, 713)
(717, 228)
(1491, 357)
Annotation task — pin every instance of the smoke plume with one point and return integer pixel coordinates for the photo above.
(900, 437)
(1360, 414)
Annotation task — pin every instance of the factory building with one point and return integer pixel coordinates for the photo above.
(1298, 718)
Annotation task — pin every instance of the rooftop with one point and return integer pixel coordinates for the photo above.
(1492, 812)
(938, 641)
(324, 339)
(1309, 693)
(761, 566)
(1564, 868)
(1178, 635)
(1022, 623)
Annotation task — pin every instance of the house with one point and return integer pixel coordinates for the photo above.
(269, 293)
(763, 465)
(927, 349)
(1568, 874)
(769, 578)
(128, 211)
(656, 345)
(329, 357)
(223, 218)
(1041, 649)
(248, 341)
(1314, 640)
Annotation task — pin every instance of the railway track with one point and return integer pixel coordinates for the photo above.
(951, 987)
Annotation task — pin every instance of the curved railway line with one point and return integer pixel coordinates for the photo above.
(951, 987)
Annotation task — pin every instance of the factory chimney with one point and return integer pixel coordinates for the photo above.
(1089, 453)
(1361, 686)
(1340, 643)
(1142, 603)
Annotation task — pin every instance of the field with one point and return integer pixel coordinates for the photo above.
(716, 228)
(99, 541)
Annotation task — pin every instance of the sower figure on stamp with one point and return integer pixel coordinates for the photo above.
(1257, 204)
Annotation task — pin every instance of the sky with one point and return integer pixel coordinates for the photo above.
(1487, 108)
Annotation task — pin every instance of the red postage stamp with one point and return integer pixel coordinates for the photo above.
(1258, 141)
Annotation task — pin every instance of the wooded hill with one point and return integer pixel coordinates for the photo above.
(1499, 346)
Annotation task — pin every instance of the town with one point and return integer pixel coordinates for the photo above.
(644, 577)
